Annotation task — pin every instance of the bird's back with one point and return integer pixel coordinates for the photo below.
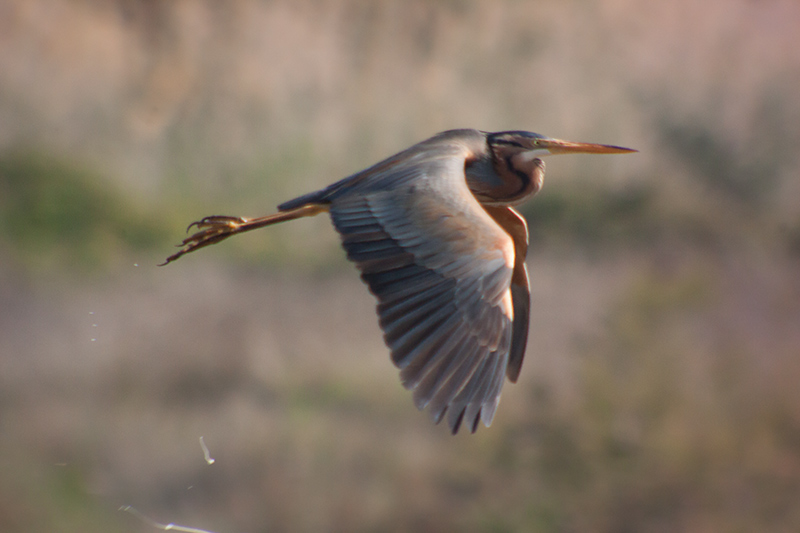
(428, 158)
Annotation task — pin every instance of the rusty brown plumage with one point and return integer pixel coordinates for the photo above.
(436, 240)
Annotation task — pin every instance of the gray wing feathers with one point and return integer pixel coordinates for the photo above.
(439, 309)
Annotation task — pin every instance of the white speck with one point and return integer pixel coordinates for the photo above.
(136, 264)
(206, 453)
(93, 339)
(165, 527)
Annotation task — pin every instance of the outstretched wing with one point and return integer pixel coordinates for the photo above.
(441, 268)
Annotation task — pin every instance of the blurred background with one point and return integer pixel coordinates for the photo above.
(661, 389)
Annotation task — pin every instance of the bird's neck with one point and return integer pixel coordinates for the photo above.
(505, 178)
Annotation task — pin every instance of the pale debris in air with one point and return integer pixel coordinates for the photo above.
(206, 453)
(165, 527)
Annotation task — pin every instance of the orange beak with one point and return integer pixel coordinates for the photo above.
(556, 146)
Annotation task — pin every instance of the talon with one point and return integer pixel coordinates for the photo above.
(210, 230)
(217, 221)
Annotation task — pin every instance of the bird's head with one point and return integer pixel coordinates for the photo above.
(518, 168)
(529, 146)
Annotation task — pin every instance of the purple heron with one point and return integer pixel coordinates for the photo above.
(433, 232)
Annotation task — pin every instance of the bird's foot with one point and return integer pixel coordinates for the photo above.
(216, 223)
(210, 230)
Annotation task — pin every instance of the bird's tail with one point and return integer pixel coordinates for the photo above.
(215, 228)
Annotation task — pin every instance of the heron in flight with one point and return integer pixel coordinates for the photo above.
(437, 240)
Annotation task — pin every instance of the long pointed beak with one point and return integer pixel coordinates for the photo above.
(556, 146)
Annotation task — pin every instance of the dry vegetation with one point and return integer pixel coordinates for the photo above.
(660, 391)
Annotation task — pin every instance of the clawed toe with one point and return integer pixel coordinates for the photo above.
(217, 221)
(210, 230)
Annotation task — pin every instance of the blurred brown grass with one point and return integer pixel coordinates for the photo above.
(660, 390)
